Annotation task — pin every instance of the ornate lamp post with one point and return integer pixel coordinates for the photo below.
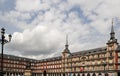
(3, 41)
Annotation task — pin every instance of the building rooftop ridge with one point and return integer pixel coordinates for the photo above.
(17, 56)
(90, 50)
(98, 49)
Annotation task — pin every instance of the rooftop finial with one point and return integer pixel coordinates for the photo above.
(112, 34)
(112, 29)
(67, 39)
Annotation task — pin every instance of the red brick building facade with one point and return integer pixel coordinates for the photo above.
(92, 62)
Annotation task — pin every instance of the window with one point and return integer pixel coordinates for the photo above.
(110, 54)
(119, 60)
(98, 55)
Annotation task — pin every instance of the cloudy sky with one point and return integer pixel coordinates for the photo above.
(39, 27)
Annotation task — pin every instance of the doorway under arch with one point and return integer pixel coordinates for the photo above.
(44, 74)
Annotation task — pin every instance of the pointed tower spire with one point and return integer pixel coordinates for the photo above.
(112, 35)
(66, 45)
(66, 41)
(112, 28)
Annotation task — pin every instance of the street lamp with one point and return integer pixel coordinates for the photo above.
(3, 41)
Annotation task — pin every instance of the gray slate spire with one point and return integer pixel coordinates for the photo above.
(112, 35)
(66, 46)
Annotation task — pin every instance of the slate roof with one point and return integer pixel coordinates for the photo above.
(79, 53)
(18, 58)
(90, 51)
(51, 59)
(30, 60)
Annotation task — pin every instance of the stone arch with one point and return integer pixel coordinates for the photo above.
(74, 74)
(94, 74)
(83, 74)
(99, 74)
(106, 74)
(88, 74)
(78, 74)
(44, 74)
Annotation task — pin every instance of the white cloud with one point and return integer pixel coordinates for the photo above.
(100, 12)
(45, 23)
(109, 9)
(101, 25)
(27, 5)
(40, 40)
(2, 1)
